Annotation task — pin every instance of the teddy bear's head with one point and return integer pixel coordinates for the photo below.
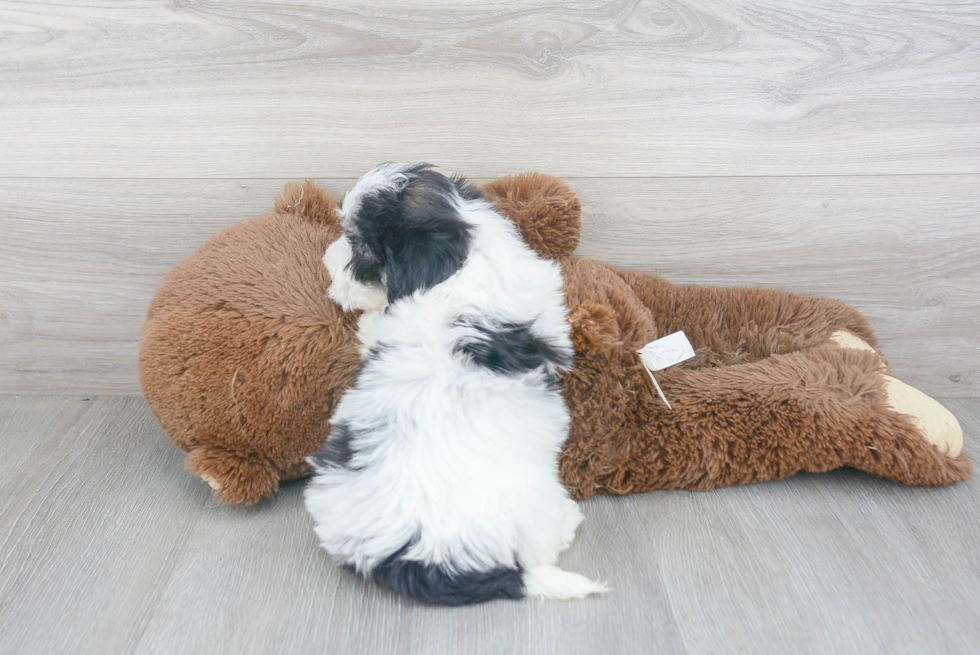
(243, 356)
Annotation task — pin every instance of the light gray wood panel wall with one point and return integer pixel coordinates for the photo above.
(720, 128)
(905, 250)
(593, 88)
(109, 546)
(80, 259)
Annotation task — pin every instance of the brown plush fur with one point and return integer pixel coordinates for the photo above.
(243, 357)
(768, 394)
(548, 215)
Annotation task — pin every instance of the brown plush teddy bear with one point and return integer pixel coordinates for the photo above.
(243, 357)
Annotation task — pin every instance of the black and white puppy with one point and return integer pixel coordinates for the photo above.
(439, 479)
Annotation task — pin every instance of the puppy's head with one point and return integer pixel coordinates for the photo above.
(403, 232)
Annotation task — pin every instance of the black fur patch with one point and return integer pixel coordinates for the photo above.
(508, 348)
(413, 239)
(364, 266)
(432, 585)
(466, 189)
(338, 450)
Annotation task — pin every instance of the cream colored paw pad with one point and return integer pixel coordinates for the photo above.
(214, 484)
(936, 422)
(847, 339)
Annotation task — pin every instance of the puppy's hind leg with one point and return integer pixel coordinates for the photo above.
(551, 582)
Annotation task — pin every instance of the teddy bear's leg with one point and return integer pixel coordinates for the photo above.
(755, 323)
(235, 477)
(739, 325)
(820, 409)
(813, 410)
(936, 423)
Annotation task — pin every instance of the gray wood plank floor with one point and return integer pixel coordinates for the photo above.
(109, 546)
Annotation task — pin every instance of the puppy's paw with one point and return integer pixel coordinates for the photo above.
(573, 518)
(551, 582)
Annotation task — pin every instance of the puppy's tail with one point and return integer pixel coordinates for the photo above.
(551, 582)
(433, 585)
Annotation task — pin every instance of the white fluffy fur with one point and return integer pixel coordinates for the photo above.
(391, 176)
(344, 290)
(455, 455)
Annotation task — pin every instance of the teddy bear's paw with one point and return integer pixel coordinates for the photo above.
(594, 327)
(295, 471)
(847, 339)
(936, 423)
(214, 484)
(235, 477)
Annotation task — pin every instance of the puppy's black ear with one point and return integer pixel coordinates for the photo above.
(466, 189)
(424, 250)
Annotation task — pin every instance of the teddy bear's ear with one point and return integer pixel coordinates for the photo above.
(306, 200)
(547, 213)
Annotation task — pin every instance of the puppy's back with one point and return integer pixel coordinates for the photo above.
(439, 479)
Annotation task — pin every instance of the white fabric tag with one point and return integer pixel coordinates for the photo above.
(672, 349)
(658, 355)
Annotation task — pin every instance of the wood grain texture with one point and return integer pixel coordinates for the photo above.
(80, 262)
(92, 522)
(80, 259)
(593, 88)
(903, 250)
(109, 546)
